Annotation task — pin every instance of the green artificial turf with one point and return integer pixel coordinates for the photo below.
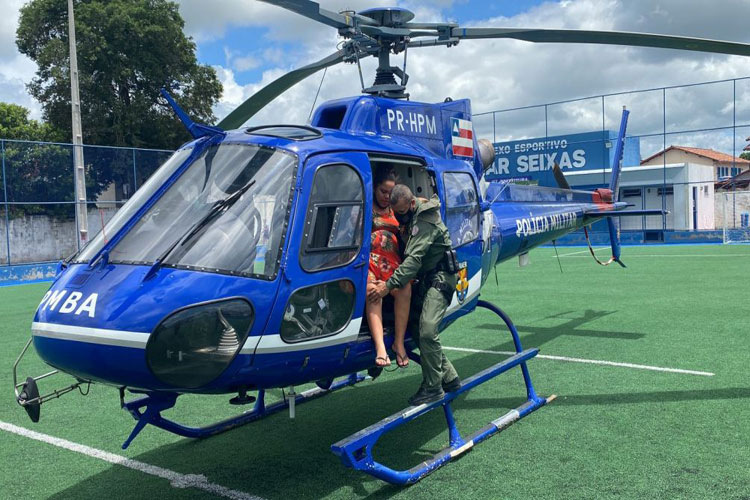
(613, 432)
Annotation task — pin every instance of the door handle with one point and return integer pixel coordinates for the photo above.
(361, 263)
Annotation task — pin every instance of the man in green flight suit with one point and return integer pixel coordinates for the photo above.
(427, 255)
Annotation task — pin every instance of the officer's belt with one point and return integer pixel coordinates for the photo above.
(431, 280)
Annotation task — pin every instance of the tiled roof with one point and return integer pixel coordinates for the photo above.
(706, 153)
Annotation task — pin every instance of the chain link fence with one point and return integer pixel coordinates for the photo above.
(38, 218)
(681, 141)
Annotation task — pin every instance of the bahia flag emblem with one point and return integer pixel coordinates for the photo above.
(462, 137)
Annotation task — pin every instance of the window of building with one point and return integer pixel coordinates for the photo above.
(317, 311)
(736, 171)
(723, 172)
(461, 208)
(669, 190)
(630, 192)
(333, 227)
(745, 219)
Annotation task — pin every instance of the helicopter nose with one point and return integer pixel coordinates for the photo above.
(195, 345)
(188, 349)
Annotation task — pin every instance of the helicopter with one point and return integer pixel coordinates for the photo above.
(241, 264)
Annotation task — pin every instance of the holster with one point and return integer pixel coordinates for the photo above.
(442, 287)
(449, 262)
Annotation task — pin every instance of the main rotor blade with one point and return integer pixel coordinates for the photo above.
(257, 101)
(313, 11)
(606, 37)
(560, 177)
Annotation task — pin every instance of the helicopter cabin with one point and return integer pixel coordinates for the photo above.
(415, 141)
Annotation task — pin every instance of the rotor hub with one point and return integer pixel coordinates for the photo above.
(390, 17)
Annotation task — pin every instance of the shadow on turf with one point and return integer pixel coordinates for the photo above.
(625, 398)
(540, 335)
(280, 458)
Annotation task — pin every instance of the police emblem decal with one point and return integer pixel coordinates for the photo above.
(462, 287)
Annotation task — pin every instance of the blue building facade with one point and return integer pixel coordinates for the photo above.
(532, 159)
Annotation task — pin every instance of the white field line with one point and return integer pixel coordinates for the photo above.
(698, 256)
(591, 362)
(581, 251)
(176, 479)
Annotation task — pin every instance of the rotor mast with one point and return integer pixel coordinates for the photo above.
(385, 82)
(391, 36)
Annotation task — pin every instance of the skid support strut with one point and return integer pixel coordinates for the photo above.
(356, 450)
(156, 402)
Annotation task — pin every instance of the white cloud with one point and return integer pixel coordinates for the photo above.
(501, 74)
(245, 63)
(282, 24)
(8, 25)
(494, 74)
(15, 69)
(239, 62)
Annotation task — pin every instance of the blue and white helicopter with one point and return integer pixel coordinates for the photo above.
(241, 264)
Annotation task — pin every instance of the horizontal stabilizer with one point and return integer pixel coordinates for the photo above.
(624, 213)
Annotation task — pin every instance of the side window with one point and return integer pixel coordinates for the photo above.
(333, 226)
(317, 311)
(461, 208)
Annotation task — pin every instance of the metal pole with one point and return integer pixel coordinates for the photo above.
(75, 102)
(734, 142)
(664, 159)
(605, 153)
(135, 175)
(494, 128)
(5, 201)
(724, 210)
(734, 126)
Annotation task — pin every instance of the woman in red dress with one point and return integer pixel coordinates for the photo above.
(384, 259)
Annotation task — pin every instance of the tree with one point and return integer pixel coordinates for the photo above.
(127, 50)
(35, 172)
(745, 156)
(15, 124)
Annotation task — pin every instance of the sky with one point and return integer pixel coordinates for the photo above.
(250, 43)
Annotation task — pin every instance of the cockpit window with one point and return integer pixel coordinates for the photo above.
(228, 212)
(461, 207)
(134, 204)
(333, 229)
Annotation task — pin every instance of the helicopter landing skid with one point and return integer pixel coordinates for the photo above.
(356, 450)
(156, 402)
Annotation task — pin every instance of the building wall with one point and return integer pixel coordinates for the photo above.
(40, 238)
(532, 159)
(701, 178)
(679, 179)
(679, 156)
(729, 206)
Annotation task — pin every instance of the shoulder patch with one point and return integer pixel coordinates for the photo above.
(414, 230)
(430, 216)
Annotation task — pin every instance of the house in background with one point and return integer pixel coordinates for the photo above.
(725, 165)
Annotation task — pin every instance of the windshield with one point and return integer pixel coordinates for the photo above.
(133, 204)
(227, 212)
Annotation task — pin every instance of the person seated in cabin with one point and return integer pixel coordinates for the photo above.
(384, 259)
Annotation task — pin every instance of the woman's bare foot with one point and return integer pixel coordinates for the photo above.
(402, 359)
(381, 358)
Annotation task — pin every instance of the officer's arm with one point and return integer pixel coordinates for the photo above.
(416, 249)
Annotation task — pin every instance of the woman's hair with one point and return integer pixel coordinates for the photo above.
(384, 174)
